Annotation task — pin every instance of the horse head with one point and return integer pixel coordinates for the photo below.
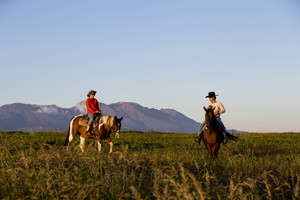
(209, 114)
(116, 127)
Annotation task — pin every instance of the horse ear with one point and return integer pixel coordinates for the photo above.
(204, 108)
(121, 118)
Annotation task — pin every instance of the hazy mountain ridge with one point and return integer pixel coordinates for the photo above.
(28, 117)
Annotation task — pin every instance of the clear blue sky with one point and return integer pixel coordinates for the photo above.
(160, 54)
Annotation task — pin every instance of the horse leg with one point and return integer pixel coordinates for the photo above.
(99, 145)
(216, 150)
(209, 149)
(82, 143)
(110, 144)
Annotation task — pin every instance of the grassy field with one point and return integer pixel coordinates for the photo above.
(149, 166)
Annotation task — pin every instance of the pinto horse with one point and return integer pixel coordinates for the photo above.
(213, 135)
(102, 130)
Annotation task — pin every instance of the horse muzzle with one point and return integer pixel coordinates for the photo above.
(117, 135)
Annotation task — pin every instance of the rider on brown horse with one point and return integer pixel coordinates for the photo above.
(218, 109)
(92, 107)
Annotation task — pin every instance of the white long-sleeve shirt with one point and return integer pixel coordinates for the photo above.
(217, 106)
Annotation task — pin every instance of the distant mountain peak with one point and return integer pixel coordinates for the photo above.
(80, 107)
(48, 109)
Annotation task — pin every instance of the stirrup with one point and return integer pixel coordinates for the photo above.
(89, 133)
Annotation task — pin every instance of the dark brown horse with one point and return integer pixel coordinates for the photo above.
(102, 130)
(213, 135)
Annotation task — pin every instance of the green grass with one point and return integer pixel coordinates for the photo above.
(149, 166)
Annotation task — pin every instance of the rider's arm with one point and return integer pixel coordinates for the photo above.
(221, 108)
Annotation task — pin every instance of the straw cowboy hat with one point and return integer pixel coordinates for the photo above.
(91, 92)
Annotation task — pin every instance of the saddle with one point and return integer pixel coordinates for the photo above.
(83, 121)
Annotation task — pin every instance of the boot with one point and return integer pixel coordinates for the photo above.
(90, 130)
(199, 137)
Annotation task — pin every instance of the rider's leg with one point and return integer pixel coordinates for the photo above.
(90, 123)
(221, 127)
(200, 132)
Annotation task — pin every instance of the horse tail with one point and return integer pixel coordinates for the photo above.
(69, 132)
(230, 136)
(73, 128)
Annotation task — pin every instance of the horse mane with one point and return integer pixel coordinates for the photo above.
(107, 120)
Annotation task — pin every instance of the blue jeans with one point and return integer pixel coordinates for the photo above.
(221, 124)
(92, 117)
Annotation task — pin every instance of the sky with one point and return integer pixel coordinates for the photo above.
(159, 54)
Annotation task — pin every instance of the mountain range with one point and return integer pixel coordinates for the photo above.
(28, 117)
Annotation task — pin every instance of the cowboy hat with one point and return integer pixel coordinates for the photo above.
(91, 92)
(211, 94)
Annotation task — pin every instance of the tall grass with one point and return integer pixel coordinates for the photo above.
(149, 166)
